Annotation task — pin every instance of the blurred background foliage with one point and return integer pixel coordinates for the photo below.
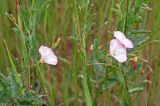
(80, 24)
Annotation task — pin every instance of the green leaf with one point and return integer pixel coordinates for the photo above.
(140, 40)
(136, 89)
(109, 84)
(87, 93)
(33, 46)
(16, 31)
(96, 44)
(13, 66)
(64, 60)
(74, 38)
(30, 100)
(5, 93)
(140, 31)
(25, 19)
(14, 86)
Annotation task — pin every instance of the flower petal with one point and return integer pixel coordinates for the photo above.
(47, 55)
(45, 51)
(118, 51)
(128, 43)
(121, 37)
(51, 59)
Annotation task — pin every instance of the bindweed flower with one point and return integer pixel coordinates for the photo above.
(121, 37)
(119, 46)
(47, 55)
(118, 51)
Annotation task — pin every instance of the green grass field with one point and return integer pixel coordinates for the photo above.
(79, 32)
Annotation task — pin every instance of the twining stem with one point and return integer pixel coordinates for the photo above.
(126, 84)
(126, 17)
(122, 71)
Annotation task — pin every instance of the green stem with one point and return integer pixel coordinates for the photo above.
(122, 71)
(24, 49)
(126, 84)
(126, 17)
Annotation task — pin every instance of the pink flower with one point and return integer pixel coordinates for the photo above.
(121, 37)
(47, 55)
(119, 46)
(118, 51)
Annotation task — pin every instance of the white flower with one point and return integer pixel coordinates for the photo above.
(118, 51)
(121, 37)
(47, 55)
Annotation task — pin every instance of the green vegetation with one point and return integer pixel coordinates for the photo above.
(79, 32)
